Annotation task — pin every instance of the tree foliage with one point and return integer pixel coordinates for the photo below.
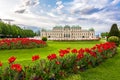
(14, 31)
(104, 34)
(114, 31)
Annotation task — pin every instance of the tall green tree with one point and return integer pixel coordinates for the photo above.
(104, 34)
(0, 30)
(15, 31)
(3, 27)
(114, 31)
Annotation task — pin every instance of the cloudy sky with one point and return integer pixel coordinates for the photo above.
(98, 14)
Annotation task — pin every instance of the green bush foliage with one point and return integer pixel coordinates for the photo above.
(44, 38)
(114, 39)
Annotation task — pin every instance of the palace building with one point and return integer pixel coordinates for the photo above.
(68, 33)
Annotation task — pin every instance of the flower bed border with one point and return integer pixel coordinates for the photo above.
(21, 43)
(68, 61)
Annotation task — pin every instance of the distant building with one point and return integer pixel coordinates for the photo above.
(68, 33)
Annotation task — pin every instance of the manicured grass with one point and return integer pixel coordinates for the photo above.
(24, 55)
(108, 70)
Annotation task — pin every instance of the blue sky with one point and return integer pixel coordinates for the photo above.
(99, 15)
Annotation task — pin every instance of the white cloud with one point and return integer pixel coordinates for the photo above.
(94, 12)
(7, 7)
(115, 2)
(26, 5)
(60, 6)
(84, 5)
(58, 2)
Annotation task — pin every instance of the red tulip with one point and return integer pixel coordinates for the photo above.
(81, 50)
(74, 51)
(93, 54)
(35, 57)
(61, 54)
(80, 55)
(12, 59)
(16, 67)
(66, 51)
(1, 63)
(87, 50)
(51, 57)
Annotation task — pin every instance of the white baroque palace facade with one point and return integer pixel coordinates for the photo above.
(68, 33)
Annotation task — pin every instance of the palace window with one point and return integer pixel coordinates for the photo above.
(67, 35)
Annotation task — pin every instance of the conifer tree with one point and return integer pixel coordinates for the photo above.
(114, 31)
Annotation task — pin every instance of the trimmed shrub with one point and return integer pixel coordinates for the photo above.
(114, 39)
(44, 38)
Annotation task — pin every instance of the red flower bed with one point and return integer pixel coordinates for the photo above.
(68, 61)
(21, 43)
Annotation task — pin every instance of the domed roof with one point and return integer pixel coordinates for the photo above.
(76, 27)
(67, 26)
(57, 27)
